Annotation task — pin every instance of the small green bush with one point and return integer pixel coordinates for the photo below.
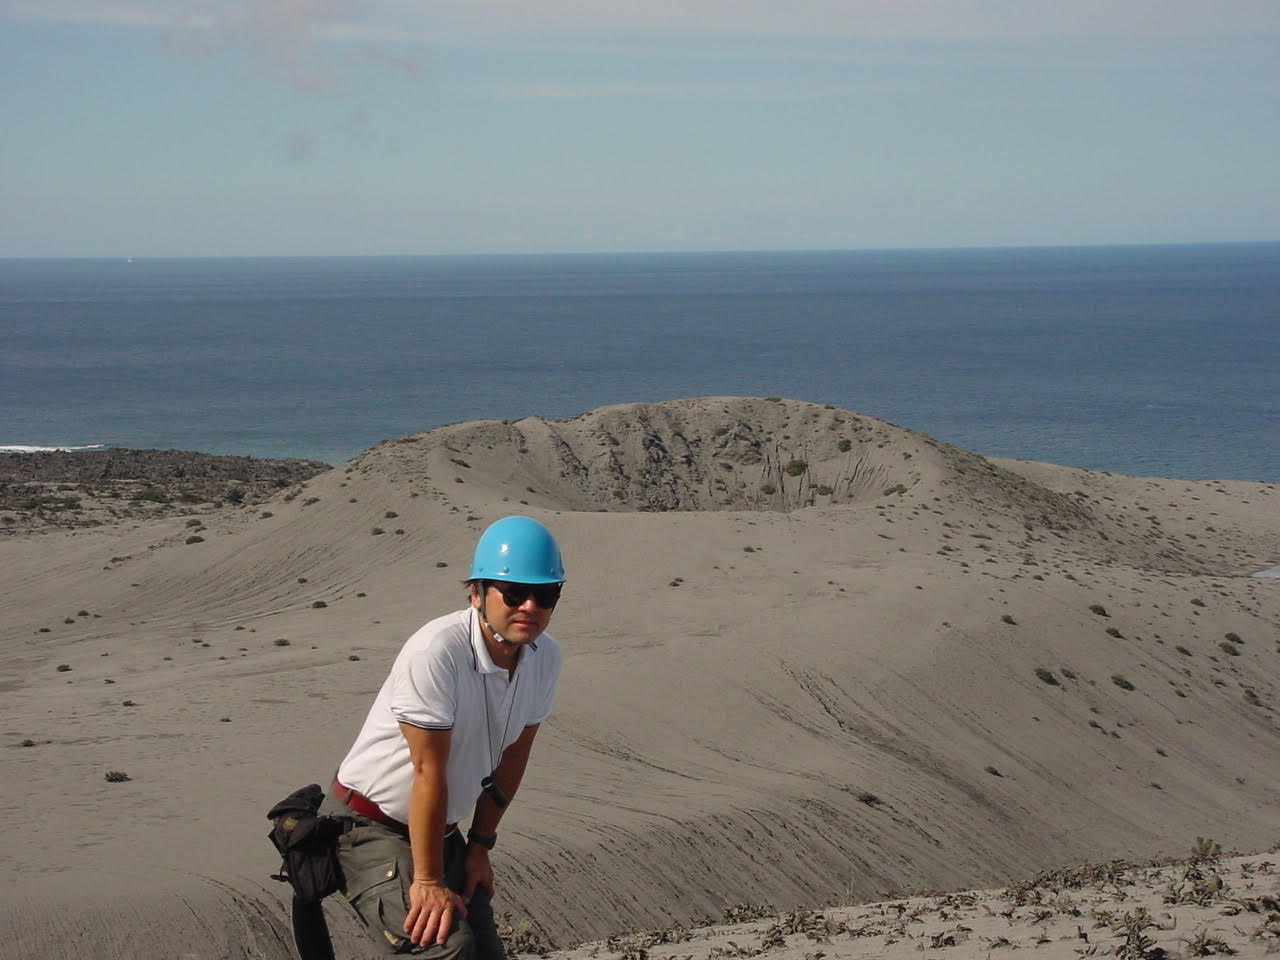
(1121, 682)
(768, 489)
(845, 446)
(1229, 648)
(1047, 676)
(796, 467)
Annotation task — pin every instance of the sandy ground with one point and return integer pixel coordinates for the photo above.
(813, 658)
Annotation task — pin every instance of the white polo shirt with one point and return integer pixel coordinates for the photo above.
(444, 679)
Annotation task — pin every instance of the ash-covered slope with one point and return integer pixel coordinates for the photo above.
(809, 655)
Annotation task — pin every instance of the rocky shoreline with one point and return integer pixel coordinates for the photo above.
(64, 489)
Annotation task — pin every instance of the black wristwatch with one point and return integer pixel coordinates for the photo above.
(485, 841)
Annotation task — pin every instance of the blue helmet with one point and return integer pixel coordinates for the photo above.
(518, 550)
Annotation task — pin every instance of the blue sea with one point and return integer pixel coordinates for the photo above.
(1160, 360)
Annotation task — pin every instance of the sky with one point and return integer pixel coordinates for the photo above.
(372, 127)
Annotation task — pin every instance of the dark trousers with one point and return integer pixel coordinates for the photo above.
(377, 864)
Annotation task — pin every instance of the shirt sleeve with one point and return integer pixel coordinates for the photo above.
(425, 692)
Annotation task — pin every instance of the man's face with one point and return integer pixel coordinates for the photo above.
(519, 612)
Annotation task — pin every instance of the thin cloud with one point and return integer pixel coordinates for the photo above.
(299, 146)
(930, 19)
(124, 13)
(308, 45)
(288, 27)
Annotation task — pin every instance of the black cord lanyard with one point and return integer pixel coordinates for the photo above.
(488, 784)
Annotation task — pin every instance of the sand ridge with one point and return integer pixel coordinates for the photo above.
(902, 667)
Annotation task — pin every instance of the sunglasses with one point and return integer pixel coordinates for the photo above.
(545, 595)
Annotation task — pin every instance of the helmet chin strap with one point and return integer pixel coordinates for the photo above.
(484, 599)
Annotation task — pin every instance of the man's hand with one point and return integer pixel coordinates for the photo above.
(432, 907)
(479, 873)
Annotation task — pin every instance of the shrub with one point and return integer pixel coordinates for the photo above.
(116, 776)
(195, 538)
(845, 446)
(153, 494)
(824, 490)
(1229, 648)
(1121, 682)
(1205, 849)
(1047, 676)
(1099, 609)
(796, 467)
(768, 489)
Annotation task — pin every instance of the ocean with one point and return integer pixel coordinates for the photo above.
(1144, 360)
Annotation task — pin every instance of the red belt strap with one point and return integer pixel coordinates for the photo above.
(362, 805)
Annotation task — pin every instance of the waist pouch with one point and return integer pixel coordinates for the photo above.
(308, 844)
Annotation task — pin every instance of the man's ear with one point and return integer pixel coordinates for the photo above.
(476, 595)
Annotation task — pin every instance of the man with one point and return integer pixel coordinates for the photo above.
(448, 737)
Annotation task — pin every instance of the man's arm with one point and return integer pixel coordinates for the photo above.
(432, 904)
(485, 819)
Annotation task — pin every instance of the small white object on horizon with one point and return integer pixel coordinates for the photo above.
(25, 448)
